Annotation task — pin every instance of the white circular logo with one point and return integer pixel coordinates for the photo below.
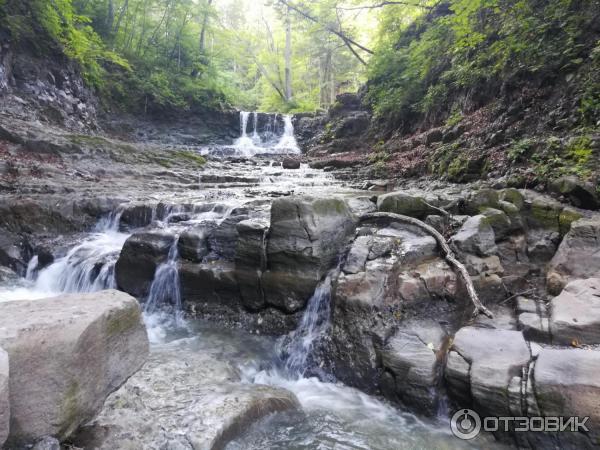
(465, 424)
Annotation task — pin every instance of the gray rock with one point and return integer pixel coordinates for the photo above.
(567, 384)
(542, 245)
(499, 222)
(251, 261)
(136, 215)
(475, 237)
(580, 193)
(204, 406)
(575, 313)
(480, 200)
(578, 255)
(289, 163)
(305, 238)
(412, 356)
(534, 327)
(405, 204)
(193, 244)
(482, 363)
(67, 354)
(142, 253)
(4, 397)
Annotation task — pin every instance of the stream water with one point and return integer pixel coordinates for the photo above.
(333, 416)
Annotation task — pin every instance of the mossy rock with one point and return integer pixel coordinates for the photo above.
(405, 204)
(513, 196)
(566, 217)
(482, 199)
(499, 221)
(545, 214)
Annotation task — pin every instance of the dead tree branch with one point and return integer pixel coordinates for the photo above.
(446, 251)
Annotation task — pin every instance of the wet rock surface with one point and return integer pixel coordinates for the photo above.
(182, 398)
(66, 355)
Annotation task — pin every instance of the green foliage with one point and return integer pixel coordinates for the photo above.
(520, 150)
(554, 159)
(467, 47)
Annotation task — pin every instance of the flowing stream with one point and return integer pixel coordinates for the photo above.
(333, 416)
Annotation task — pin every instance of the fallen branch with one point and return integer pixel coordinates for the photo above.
(446, 251)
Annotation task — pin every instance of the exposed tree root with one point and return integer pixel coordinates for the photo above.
(446, 251)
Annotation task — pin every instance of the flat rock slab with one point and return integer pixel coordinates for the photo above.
(67, 354)
(576, 313)
(182, 399)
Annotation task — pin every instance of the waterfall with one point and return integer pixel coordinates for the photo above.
(31, 268)
(288, 140)
(314, 324)
(244, 143)
(255, 136)
(250, 144)
(87, 267)
(165, 288)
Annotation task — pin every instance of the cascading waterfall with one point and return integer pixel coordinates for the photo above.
(244, 143)
(87, 267)
(288, 140)
(268, 142)
(314, 324)
(165, 287)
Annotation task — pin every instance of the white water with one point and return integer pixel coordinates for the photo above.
(87, 267)
(315, 322)
(254, 144)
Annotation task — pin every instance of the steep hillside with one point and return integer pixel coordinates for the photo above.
(476, 90)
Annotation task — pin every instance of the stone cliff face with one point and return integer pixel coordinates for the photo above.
(48, 89)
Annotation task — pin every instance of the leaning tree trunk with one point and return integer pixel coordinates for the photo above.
(446, 251)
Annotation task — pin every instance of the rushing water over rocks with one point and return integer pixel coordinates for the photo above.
(201, 378)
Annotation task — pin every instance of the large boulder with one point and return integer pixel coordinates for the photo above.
(567, 385)
(480, 366)
(476, 237)
(67, 354)
(141, 255)
(576, 313)
(578, 255)
(4, 397)
(305, 239)
(580, 193)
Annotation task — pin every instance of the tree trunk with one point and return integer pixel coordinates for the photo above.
(288, 56)
(110, 18)
(204, 26)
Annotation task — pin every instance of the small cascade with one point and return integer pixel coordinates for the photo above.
(87, 267)
(255, 136)
(165, 289)
(315, 322)
(288, 140)
(244, 143)
(31, 268)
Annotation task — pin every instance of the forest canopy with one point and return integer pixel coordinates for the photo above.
(298, 55)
